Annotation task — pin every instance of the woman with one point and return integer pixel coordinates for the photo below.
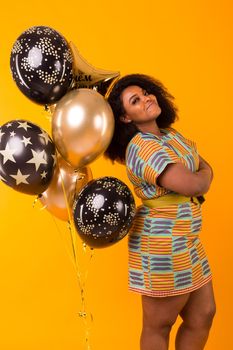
(167, 263)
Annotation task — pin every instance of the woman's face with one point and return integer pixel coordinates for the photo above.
(140, 107)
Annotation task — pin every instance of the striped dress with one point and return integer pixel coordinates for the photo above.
(166, 256)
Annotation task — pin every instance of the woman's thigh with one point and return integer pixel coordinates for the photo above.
(200, 307)
(162, 311)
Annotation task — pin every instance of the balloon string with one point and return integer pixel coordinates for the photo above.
(72, 231)
(72, 241)
(73, 258)
(66, 246)
(80, 176)
(82, 313)
(81, 283)
(61, 236)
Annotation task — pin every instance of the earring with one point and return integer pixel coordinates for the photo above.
(125, 120)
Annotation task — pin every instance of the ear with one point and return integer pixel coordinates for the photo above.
(125, 119)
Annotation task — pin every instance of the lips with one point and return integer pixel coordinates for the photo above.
(150, 104)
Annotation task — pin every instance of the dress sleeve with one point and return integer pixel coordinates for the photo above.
(156, 158)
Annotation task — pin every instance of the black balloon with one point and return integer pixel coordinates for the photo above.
(27, 156)
(41, 64)
(103, 212)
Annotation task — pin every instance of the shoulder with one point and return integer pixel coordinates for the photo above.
(142, 147)
(141, 140)
(173, 132)
(183, 139)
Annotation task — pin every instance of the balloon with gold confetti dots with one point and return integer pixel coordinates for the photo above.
(103, 211)
(41, 64)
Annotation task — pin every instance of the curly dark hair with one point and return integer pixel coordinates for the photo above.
(123, 132)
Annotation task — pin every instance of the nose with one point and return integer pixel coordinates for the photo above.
(147, 98)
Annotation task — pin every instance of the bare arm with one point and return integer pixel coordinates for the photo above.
(176, 177)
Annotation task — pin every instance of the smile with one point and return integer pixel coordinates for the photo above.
(150, 104)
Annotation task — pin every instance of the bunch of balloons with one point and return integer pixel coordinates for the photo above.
(50, 71)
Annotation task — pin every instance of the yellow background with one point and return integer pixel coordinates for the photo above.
(188, 46)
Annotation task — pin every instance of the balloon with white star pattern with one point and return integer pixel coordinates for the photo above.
(41, 64)
(103, 211)
(27, 156)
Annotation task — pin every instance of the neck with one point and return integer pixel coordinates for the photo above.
(152, 128)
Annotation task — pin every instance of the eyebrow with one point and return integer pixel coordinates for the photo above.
(135, 95)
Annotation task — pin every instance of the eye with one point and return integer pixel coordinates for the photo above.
(135, 100)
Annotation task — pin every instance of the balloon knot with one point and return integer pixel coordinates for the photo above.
(82, 314)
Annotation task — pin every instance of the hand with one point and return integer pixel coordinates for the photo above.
(204, 165)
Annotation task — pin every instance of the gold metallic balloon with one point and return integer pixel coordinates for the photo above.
(65, 184)
(87, 76)
(82, 126)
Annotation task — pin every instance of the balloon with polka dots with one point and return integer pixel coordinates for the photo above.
(42, 64)
(103, 212)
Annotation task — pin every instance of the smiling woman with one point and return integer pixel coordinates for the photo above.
(125, 128)
(167, 263)
(142, 108)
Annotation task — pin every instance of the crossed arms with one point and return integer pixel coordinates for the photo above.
(178, 178)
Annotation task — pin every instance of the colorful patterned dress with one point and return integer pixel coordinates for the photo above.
(166, 256)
